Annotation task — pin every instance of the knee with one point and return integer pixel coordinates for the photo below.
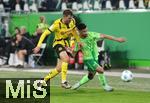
(20, 52)
(58, 69)
(66, 59)
(90, 76)
(100, 70)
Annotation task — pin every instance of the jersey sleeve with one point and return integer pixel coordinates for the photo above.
(47, 32)
(53, 27)
(76, 35)
(95, 35)
(43, 36)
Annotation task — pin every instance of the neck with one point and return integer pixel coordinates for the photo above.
(82, 36)
(63, 21)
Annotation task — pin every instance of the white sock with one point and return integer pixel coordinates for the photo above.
(63, 81)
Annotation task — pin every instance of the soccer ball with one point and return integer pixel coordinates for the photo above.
(127, 76)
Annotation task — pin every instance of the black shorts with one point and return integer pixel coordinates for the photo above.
(59, 48)
(29, 52)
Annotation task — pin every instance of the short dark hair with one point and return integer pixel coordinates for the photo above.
(81, 26)
(67, 12)
(17, 28)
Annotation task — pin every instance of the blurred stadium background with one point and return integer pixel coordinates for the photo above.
(125, 18)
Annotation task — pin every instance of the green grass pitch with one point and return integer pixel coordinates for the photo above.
(136, 91)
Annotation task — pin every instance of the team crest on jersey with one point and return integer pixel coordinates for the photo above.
(62, 33)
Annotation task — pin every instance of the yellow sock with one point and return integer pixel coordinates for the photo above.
(51, 74)
(64, 72)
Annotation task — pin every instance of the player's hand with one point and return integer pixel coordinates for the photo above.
(36, 50)
(121, 40)
(80, 45)
(68, 49)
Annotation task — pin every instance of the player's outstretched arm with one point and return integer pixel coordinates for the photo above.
(104, 36)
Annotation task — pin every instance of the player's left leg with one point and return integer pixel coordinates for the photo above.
(51, 74)
(94, 66)
(84, 80)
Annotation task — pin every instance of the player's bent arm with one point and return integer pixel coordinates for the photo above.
(76, 35)
(43, 36)
(104, 36)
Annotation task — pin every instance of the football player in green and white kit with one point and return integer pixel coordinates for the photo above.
(90, 55)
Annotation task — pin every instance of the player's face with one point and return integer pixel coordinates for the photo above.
(67, 19)
(83, 32)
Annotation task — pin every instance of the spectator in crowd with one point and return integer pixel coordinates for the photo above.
(126, 3)
(3, 28)
(23, 32)
(43, 25)
(43, 6)
(136, 3)
(14, 2)
(51, 5)
(146, 3)
(24, 49)
(3, 3)
(2, 45)
(115, 4)
(103, 3)
(3, 31)
(71, 1)
(37, 35)
(7, 47)
(16, 31)
(10, 48)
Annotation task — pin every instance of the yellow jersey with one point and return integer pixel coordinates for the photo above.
(62, 32)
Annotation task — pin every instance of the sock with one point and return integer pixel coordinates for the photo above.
(51, 74)
(102, 79)
(84, 80)
(64, 72)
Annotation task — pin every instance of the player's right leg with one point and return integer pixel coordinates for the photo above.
(55, 71)
(51, 74)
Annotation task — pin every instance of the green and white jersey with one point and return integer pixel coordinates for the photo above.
(89, 48)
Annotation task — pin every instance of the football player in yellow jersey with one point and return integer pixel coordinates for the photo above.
(63, 28)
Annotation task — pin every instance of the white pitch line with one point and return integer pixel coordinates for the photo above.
(80, 72)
